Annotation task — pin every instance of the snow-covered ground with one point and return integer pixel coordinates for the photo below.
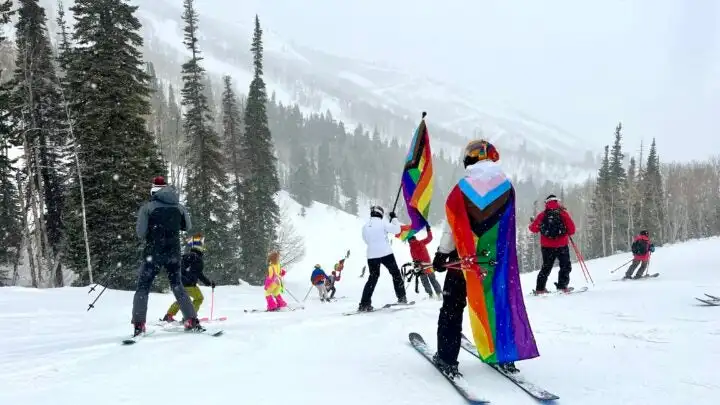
(644, 342)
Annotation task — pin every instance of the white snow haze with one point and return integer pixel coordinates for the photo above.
(582, 66)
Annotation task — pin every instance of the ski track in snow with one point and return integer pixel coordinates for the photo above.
(618, 343)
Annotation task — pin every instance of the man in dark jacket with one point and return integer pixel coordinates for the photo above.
(555, 227)
(159, 223)
(192, 272)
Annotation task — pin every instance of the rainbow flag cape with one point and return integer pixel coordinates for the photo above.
(481, 214)
(417, 182)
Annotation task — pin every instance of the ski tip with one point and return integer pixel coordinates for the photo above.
(415, 337)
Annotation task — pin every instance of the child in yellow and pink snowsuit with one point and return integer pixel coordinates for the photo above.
(273, 283)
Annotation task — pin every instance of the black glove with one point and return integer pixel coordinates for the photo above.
(392, 215)
(212, 285)
(427, 227)
(439, 262)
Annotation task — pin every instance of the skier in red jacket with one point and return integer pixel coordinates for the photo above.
(420, 255)
(555, 227)
(641, 249)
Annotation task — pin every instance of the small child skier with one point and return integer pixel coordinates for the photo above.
(334, 277)
(191, 272)
(641, 249)
(274, 283)
(318, 278)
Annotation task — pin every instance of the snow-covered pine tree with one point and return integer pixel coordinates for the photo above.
(260, 210)
(652, 215)
(618, 197)
(108, 92)
(38, 122)
(632, 201)
(10, 222)
(232, 125)
(207, 183)
(599, 210)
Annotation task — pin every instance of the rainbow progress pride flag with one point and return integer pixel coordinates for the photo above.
(417, 182)
(481, 214)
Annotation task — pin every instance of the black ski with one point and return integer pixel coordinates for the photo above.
(711, 303)
(395, 307)
(135, 339)
(517, 378)
(712, 297)
(655, 275)
(571, 290)
(285, 309)
(459, 382)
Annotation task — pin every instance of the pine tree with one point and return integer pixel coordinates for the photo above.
(109, 91)
(632, 201)
(260, 210)
(64, 47)
(617, 190)
(350, 190)
(38, 115)
(10, 221)
(207, 181)
(233, 135)
(325, 191)
(600, 209)
(301, 180)
(652, 216)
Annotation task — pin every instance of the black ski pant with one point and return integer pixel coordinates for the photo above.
(374, 268)
(643, 265)
(428, 279)
(146, 275)
(332, 291)
(450, 321)
(562, 254)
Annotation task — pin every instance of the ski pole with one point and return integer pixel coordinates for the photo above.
(581, 259)
(291, 294)
(105, 279)
(212, 302)
(623, 265)
(92, 305)
(308, 293)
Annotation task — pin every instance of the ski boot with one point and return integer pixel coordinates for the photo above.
(193, 325)
(402, 301)
(540, 292)
(509, 367)
(280, 302)
(139, 328)
(365, 308)
(448, 369)
(168, 318)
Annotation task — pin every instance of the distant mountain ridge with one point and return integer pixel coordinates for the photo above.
(361, 92)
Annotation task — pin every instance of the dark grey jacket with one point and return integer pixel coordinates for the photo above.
(160, 221)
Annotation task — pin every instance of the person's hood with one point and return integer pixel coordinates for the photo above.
(167, 195)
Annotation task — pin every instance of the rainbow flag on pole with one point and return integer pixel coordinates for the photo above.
(417, 182)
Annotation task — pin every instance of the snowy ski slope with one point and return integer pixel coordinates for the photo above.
(643, 342)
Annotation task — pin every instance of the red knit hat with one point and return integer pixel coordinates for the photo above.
(157, 184)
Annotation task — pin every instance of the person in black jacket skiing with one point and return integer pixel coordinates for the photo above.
(159, 223)
(192, 272)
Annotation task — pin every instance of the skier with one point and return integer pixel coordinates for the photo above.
(555, 227)
(481, 216)
(159, 223)
(334, 277)
(641, 249)
(380, 252)
(192, 271)
(318, 278)
(274, 283)
(420, 256)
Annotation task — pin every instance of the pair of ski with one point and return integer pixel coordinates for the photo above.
(463, 387)
(394, 307)
(712, 301)
(641, 278)
(285, 309)
(570, 290)
(174, 329)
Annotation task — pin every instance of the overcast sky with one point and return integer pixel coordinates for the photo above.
(582, 65)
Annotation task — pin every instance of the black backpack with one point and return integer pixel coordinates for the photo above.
(552, 225)
(639, 247)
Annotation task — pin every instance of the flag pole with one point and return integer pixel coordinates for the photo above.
(397, 196)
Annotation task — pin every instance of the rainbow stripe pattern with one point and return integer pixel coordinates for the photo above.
(481, 213)
(417, 182)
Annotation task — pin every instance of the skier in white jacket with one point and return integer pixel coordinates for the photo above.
(380, 252)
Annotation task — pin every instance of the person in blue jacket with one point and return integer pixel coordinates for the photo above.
(317, 278)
